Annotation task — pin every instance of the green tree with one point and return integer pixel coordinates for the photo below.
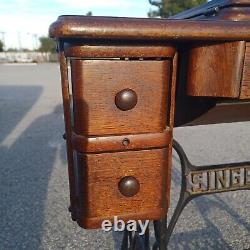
(168, 8)
(1, 46)
(89, 13)
(47, 45)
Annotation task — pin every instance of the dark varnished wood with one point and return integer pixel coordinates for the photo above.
(203, 56)
(239, 13)
(121, 142)
(67, 120)
(118, 51)
(170, 123)
(147, 29)
(224, 112)
(245, 87)
(96, 84)
(133, 143)
(101, 198)
(123, 145)
(215, 69)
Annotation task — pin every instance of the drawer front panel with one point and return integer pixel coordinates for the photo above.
(245, 86)
(215, 69)
(96, 84)
(100, 178)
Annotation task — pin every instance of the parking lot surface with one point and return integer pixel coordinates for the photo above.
(33, 174)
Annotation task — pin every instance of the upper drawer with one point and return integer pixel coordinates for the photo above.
(102, 89)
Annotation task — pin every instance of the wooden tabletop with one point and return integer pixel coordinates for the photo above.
(148, 29)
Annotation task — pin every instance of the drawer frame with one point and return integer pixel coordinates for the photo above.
(153, 52)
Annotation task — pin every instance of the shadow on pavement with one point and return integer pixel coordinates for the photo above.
(15, 102)
(25, 169)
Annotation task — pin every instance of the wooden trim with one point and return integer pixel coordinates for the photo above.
(147, 29)
(245, 85)
(115, 143)
(171, 124)
(108, 51)
(173, 90)
(67, 119)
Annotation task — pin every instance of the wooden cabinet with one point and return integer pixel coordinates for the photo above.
(119, 117)
(120, 132)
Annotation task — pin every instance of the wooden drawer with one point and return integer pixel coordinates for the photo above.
(96, 84)
(99, 179)
(215, 69)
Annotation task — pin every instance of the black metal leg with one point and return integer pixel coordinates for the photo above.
(184, 196)
(160, 228)
(125, 239)
(187, 194)
(135, 241)
(189, 191)
(147, 242)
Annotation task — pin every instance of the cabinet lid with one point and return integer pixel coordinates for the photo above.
(147, 29)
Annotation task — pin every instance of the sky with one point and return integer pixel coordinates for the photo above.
(23, 21)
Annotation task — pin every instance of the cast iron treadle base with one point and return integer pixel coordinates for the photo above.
(196, 181)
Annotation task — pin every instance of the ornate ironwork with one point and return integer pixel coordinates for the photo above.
(196, 181)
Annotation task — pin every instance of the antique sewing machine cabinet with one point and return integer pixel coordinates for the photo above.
(119, 121)
(126, 83)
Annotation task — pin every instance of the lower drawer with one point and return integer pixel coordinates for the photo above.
(130, 185)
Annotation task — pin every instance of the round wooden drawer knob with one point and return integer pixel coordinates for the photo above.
(126, 99)
(129, 186)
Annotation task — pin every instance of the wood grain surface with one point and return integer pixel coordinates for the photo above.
(154, 29)
(95, 85)
(118, 51)
(68, 131)
(237, 13)
(109, 55)
(245, 87)
(215, 69)
(121, 142)
(100, 198)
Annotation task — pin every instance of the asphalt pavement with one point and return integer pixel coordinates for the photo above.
(33, 174)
